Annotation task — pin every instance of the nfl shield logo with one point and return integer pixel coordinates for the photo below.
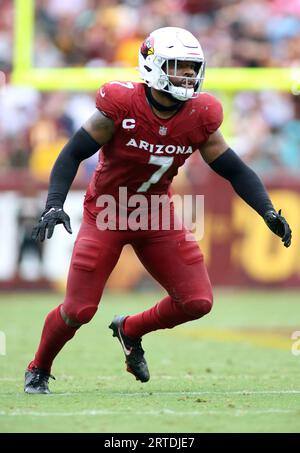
(163, 130)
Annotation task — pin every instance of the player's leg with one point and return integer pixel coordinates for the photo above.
(178, 265)
(94, 256)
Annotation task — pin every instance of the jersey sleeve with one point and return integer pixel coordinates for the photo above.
(213, 116)
(111, 100)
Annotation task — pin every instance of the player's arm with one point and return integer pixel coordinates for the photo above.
(224, 161)
(96, 131)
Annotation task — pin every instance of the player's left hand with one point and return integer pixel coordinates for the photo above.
(49, 219)
(277, 223)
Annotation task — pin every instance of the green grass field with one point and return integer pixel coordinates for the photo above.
(232, 371)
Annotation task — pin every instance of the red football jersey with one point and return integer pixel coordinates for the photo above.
(146, 151)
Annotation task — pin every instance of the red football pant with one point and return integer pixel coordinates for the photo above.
(175, 263)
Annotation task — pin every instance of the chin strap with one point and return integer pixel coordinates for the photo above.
(162, 108)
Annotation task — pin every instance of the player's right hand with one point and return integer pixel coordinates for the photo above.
(49, 219)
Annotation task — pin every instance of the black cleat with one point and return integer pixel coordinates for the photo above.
(134, 353)
(36, 381)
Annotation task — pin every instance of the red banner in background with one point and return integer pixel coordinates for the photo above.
(239, 248)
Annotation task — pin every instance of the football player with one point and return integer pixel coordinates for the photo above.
(145, 132)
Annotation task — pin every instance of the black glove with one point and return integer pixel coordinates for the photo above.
(49, 219)
(277, 223)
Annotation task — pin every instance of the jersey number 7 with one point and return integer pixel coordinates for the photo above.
(161, 161)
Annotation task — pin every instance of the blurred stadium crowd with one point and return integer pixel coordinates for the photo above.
(97, 33)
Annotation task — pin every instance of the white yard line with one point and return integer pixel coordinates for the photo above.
(204, 392)
(162, 412)
(206, 375)
(209, 392)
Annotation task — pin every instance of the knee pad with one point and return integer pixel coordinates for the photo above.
(197, 307)
(79, 317)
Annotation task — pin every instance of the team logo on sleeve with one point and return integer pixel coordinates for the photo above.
(148, 47)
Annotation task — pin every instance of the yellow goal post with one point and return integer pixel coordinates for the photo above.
(226, 80)
(79, 79)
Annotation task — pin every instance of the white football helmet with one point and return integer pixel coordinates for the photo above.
(177, 44)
